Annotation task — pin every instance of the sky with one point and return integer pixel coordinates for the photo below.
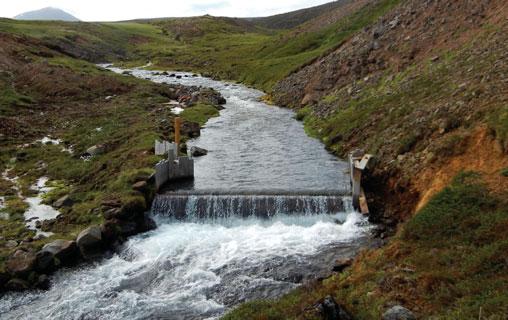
(109, 10)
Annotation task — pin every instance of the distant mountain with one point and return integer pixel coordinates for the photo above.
(47, 14)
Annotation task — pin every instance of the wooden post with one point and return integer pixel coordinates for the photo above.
(178, 124)
(358, 162)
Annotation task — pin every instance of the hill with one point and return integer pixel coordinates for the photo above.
(295, 18)
(49, 13)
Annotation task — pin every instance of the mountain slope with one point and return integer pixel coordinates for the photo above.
(295, 18)
(49, 13)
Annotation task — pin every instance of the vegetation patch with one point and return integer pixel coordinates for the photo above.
(199, 113)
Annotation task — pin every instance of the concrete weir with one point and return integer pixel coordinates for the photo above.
(265, 204)
(175, 167)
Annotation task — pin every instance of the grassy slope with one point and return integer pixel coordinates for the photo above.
(449, 260)
(258, 58)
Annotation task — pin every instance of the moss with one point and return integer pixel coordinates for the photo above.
(504, 172)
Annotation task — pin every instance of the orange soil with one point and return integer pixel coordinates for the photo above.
(483, 154)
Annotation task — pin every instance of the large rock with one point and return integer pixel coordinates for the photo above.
(198, 152)
(42, 282)
(45, 261)
(342, 264)
(21, 263)
(191, 129)
(330, 310)
(64, 250)
(17, 285)
(112, 213)
(141, 186)
(90, 241)
(64, 201)
(398, 313)
(95, 150)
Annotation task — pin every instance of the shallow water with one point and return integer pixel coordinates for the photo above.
(202, 266)
(254, 146)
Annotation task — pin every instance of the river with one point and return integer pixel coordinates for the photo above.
(200, 268)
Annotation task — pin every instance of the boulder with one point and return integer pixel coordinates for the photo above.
(198, 152)
(4, 278)
(398, 313)
(89, 241)
(110, 230)
(11, 244)
(112, 213)
(95, 150)
(21, 263)
(64, 250)
(148, 224)
(127, 228)
(342, 264)
(330, 310)
(64, 201)
(191, 129)
(17, 285)
(141, 186)
(42, 282)
(45, 261)
(134, 208)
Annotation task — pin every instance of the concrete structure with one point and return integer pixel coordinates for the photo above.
(175, 167)
(164, 147)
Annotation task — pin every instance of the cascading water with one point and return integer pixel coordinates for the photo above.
(214, 250)
(187, 206)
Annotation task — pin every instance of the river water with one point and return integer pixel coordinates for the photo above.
(201, 268)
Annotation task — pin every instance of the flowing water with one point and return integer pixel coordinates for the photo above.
(265, 213)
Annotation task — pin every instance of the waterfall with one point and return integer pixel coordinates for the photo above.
(187, 206)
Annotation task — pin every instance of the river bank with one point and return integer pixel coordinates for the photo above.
(87, 135)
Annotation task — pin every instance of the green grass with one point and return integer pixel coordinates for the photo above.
(199, 113)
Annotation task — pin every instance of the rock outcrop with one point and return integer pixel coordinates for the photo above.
(21, 263)
(89, 241)
(398, 313)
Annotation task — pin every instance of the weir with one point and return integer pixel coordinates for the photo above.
(262, 204)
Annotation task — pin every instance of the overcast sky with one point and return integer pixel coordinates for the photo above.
(108, 10)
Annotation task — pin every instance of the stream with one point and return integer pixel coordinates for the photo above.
(201, 267)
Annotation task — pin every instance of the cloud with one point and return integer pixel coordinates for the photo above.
(205, 7)
(103, 10)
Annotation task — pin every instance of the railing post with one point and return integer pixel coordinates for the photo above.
(178, 124)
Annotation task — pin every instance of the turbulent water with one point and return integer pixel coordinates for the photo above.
(222, 249)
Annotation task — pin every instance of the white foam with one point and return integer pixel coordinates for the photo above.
(177, 110)
(47, 140)
(175, 269)
(38, 211)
